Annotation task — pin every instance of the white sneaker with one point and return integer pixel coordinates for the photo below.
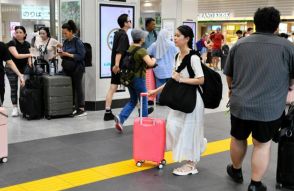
(14, 112)
(185, 170)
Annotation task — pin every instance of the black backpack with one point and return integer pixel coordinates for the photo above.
(128, 68)
(212, 89)
(88, 55)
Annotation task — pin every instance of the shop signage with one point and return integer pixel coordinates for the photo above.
(12, 26)
(35, 12)
(219, 15)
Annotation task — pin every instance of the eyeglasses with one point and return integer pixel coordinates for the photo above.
(129, 21)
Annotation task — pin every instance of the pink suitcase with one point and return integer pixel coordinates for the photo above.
(150, 82)
(3, 136)
(149, 140)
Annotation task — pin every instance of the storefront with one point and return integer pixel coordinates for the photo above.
(231, 16)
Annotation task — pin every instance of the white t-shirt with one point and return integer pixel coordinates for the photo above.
(196, 66)
(51, 48)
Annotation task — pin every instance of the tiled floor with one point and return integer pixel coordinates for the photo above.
(22, 130)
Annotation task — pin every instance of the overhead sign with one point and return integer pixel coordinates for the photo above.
(35, 12)
(219, 15)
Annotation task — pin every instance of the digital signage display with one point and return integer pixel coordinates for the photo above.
(108, 26)
(192, 25)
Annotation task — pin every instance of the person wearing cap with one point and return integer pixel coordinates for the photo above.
(217, 39)
(142, 61)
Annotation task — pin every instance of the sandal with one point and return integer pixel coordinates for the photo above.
(186, 169)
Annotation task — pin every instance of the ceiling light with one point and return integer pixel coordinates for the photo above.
(147, 4)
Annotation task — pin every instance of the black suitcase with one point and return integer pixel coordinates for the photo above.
(285, 167)
(58, 96)
(31, 99)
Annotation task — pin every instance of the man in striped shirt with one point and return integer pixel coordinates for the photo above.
(257, 71)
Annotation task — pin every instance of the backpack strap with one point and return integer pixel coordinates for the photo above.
(186, 62)
(155, 34)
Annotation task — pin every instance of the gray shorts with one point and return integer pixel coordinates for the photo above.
(216, 53)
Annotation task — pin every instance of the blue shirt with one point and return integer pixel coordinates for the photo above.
(166, 63)
(150, 38)
(75, 47)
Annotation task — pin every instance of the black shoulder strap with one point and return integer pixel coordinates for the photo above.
(135, 50)
(45, 50)
(155, 34)
(186, 62)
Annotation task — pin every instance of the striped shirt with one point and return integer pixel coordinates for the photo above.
(260, 66)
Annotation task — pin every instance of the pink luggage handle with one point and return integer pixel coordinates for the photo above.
(145, 94)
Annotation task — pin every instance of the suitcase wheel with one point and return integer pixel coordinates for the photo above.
(139, 164)
(160, 166)
(163, 162)
(4, 160)
(279, 186)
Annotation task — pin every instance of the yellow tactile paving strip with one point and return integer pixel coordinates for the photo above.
(99, 173)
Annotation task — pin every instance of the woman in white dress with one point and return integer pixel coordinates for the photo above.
(184, 131)
(46, 47)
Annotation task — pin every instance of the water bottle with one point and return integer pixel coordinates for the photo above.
(51, 69)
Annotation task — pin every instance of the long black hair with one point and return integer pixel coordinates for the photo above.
(187, 32)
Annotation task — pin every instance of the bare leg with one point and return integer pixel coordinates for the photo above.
(260, 159)
(238, 151)
(111, 91)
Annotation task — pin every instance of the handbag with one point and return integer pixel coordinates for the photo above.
(68, 65)
(180, 96)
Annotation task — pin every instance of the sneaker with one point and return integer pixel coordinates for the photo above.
(81, 113)
(185, 170)
(74, 112)
(150, 110)
(108, 116)
(118, 124)
(252, 187)
(14, 112)
(236, 176)
(150, 102)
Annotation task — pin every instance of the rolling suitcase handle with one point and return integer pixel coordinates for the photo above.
(141, 106)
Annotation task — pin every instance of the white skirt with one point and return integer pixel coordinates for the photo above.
(185, 133)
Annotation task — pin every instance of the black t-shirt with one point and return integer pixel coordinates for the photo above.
(22, 48)
(4, 56)
(120, 45)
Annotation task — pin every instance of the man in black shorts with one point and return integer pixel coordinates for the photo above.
(120, 46)
(5, 56)
(258, 79)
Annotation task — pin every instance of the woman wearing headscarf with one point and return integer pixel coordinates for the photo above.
(185, 131)
(164, 50)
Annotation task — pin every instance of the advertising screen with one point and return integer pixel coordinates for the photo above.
(214, 27)
(192, 25)
(108, 25)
